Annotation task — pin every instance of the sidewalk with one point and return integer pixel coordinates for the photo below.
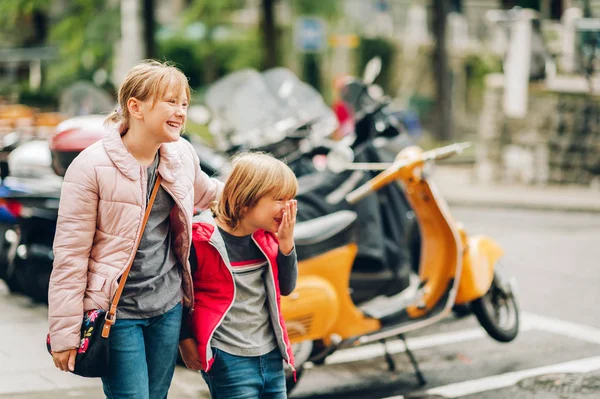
(27, 371)
(457, 187)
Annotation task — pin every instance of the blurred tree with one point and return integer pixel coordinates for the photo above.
(325, 9)
(85, 34)
(212, 14)
(445, 125)
(311, 62)
(384, 49)
(83, 31)
(33, 13)
(149, 11)
(269, 33)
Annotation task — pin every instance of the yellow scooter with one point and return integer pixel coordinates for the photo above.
(454, 269)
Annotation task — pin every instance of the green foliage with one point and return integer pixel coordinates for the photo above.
(23, 22)
(230, 55)
(13, 11)
(385, 49)
(85, 37)
(212, 13)
(325, 8)
(311, 70)
(45, 99)
(478, 65)
(186, 55)
(239, 53)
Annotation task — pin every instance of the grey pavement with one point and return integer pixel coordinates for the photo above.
(458, 187)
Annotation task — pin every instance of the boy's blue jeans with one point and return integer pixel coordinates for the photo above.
(246, 377)
(142, 356)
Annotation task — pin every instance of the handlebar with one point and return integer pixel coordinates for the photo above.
(389, 175)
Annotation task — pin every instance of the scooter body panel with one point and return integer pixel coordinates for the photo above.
(441, 247)
(333, 267)
(479, 261)
(311, 310)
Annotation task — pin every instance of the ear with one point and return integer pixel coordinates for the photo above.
(135, 108)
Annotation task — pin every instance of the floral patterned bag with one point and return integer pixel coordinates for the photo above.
(92, 354)
(92, 358)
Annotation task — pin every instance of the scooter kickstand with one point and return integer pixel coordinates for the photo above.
(413, 361)
(388, 357)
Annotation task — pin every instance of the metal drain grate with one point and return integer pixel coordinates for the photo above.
(562, 384)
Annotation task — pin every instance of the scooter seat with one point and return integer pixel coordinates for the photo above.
(316, 236)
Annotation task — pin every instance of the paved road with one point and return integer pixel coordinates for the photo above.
(554, 257)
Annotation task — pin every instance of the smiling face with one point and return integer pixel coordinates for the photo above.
(266, 215)
(255, 194)
(165, 119)
(155, 99)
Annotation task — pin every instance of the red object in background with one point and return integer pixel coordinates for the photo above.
(13, 207)
(73, 136)
(344, 117)
(341, 111)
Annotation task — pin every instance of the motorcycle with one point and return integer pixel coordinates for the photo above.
(455, 268)
(16, 174)
(274, 112)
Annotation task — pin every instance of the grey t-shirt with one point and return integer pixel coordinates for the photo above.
(246, 330)
(154, 283)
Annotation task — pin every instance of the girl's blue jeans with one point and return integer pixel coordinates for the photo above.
(142, 356)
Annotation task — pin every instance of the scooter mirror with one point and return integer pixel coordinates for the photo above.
(372, 70)
(285, 90)
(339, 158)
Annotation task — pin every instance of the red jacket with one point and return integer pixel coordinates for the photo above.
(214, 287)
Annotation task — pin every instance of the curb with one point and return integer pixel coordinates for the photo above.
(534, 206)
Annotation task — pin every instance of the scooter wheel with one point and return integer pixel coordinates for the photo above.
(497, 311)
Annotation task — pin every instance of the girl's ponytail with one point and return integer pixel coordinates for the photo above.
(116, 118)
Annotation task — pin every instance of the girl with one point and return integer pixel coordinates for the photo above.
(245, 256)
(102, 205)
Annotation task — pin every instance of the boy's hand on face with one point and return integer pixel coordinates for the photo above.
(286, 228)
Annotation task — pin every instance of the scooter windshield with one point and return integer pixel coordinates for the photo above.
(263, 109)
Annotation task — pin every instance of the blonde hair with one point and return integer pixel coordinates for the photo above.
(147, 80)
(254, 176)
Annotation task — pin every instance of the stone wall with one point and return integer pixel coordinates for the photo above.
(558, 142)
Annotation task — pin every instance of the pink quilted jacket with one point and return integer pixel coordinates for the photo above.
(99, 218)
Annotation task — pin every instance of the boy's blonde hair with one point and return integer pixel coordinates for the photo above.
(254, 176)
(147, 80)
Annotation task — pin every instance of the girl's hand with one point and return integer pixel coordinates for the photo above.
(65, 360)
(189, 353)
(285, 234)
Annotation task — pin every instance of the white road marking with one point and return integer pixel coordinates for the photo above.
(471, 387)
(529, 322)
(566, 328)
(397, 346)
